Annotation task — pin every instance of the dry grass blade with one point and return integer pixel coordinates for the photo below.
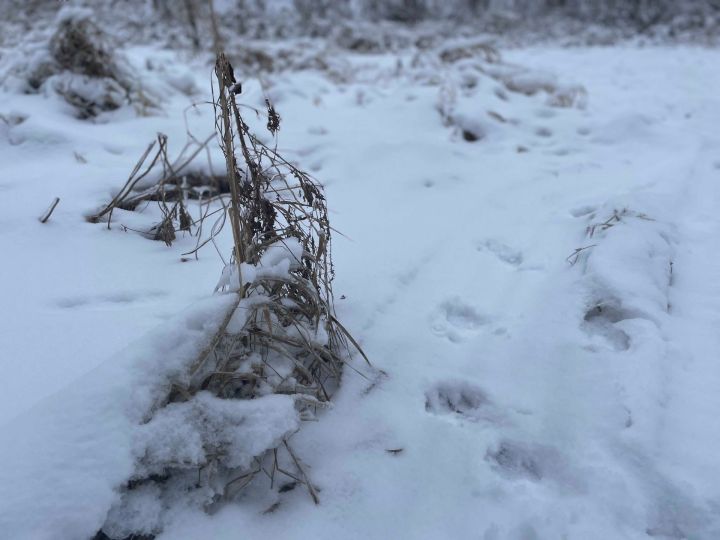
(306, 481)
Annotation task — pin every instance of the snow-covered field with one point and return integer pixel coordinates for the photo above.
(521, 389)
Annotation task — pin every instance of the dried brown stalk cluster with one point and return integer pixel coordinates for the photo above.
(282, 336)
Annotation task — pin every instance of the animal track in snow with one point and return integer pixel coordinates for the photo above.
(546, 113)
(582, 211)
(459, 399)
(519, 460)
(515, 460)
(602, 320)
(451, 397)
(502, 251)
(403, 280)
(119, 298)
(455, 319)
(317, 130)
(584, 131)
(446, 182)
(307, 150)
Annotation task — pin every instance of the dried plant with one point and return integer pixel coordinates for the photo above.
(283, 337)
(277, 213)
(170, 190)
(280, 337)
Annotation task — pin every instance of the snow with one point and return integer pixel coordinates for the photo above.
(65, 457)
(181, 433)
(520, 392)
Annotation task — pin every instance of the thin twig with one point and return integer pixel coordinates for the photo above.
(46, 215)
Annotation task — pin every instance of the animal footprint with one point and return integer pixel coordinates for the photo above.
(502, 251)
(582, 211)
(514, 460)
(455, 320)
(108, 300)
(602, 319)
(535, 462)
(461, 400)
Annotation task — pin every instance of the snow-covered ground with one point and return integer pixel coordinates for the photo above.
(530, 391)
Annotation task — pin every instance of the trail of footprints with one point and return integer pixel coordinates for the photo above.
(511, 457)
(462, 402)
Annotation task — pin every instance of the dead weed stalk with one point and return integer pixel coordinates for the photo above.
(281, 335)
(284, 337)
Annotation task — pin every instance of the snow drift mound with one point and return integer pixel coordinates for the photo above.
(74, 59)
